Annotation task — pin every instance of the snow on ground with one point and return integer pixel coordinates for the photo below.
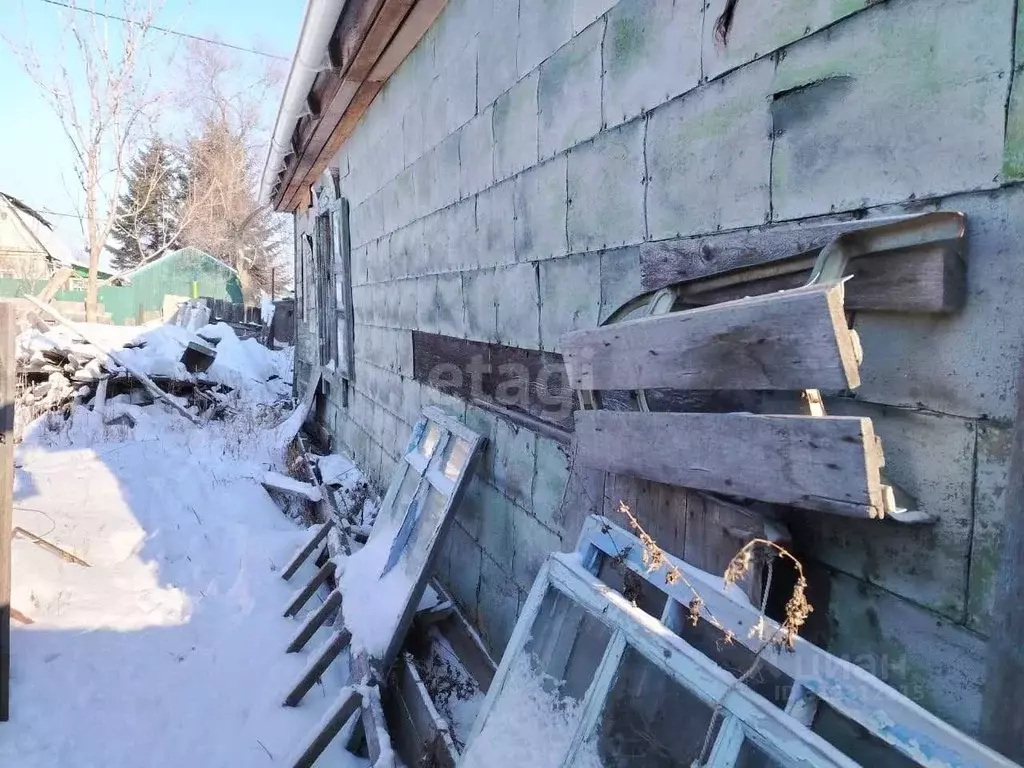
(170, 649)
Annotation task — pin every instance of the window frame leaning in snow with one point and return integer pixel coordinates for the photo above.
(332, 260)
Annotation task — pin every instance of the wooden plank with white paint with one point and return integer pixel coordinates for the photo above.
(828, 464)
(787, 340)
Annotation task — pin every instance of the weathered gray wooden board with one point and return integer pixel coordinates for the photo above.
(893, 269)
(829, 464)
(928, 279)
(665, 262)
(791, 340)
(690, 525)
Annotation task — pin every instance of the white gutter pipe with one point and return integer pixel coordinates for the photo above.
(318, 25)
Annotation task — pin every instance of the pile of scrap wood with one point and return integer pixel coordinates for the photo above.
(196, 373)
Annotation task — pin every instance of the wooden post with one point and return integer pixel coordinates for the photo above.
(8, 330)
(1002, 717)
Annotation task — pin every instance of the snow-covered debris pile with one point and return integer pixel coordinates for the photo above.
(59, 368)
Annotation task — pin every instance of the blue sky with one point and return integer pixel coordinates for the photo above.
(35, 157)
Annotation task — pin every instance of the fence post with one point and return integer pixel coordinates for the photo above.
(8, 330)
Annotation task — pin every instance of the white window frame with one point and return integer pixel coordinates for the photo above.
(746, 715)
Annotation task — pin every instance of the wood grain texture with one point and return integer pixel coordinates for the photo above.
(8, 330)
(929, 279)
(791, 340)
(829, 464)
(665, 262)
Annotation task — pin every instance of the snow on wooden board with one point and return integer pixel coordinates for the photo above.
(169, 650)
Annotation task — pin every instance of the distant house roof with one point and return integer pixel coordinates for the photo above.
(125, 278)
(43, 232)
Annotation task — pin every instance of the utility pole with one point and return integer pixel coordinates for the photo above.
(1002, 716)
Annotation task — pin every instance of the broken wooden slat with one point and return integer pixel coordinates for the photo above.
(302, 596)
(929, 279)
(286, 484)
(323, 733)
(786, 247)
(63, 554)
(318, 665)
(829, 463)
(430, 729)
(314, 621)
(790, 340)
(375, 729)
(319, 534)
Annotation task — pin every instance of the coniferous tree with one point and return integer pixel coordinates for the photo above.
(149, 212)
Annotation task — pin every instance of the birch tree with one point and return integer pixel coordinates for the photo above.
(101, 89)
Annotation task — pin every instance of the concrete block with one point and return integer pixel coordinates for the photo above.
(762, 28)
(620, 279)
(887, 106)
(1013, 148)
(435, 244)
(476, 154)
(480, 294)
(499, 599)
(569, 93)
(651, 54)
(533, 544)
(403, 354)
(446, 165)
(449, 306)
(964, 364)
(495, 214)
(406, 293)
(550, 476)
(463, 572)
(424, 174)
(411, 407)
(586, 12)
(482, 422)
(497, 522)
(570, 297)
(541, 207)
(518, 310)
(606, 190)
(993, 461)
(460, 74)
(932, 458)
(463, 239)
(412, 131)
(475, 507)
(544, 27)
(709, 157)
(929, 659)
(515, 457)
(496, 67)
(435, 117)
(515, 128)
(426, 304)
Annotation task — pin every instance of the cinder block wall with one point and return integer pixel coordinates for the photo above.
(502, 181)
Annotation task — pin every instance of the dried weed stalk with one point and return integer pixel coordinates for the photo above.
(797, 607)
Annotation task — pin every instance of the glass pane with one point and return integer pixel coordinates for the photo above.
(856, 741)
(456, 458)
(649, 720)
(403, 498)
(640, 592)
(737, 659)
(540, 704)
(431, 510)
(751, 756)
(430, 439)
